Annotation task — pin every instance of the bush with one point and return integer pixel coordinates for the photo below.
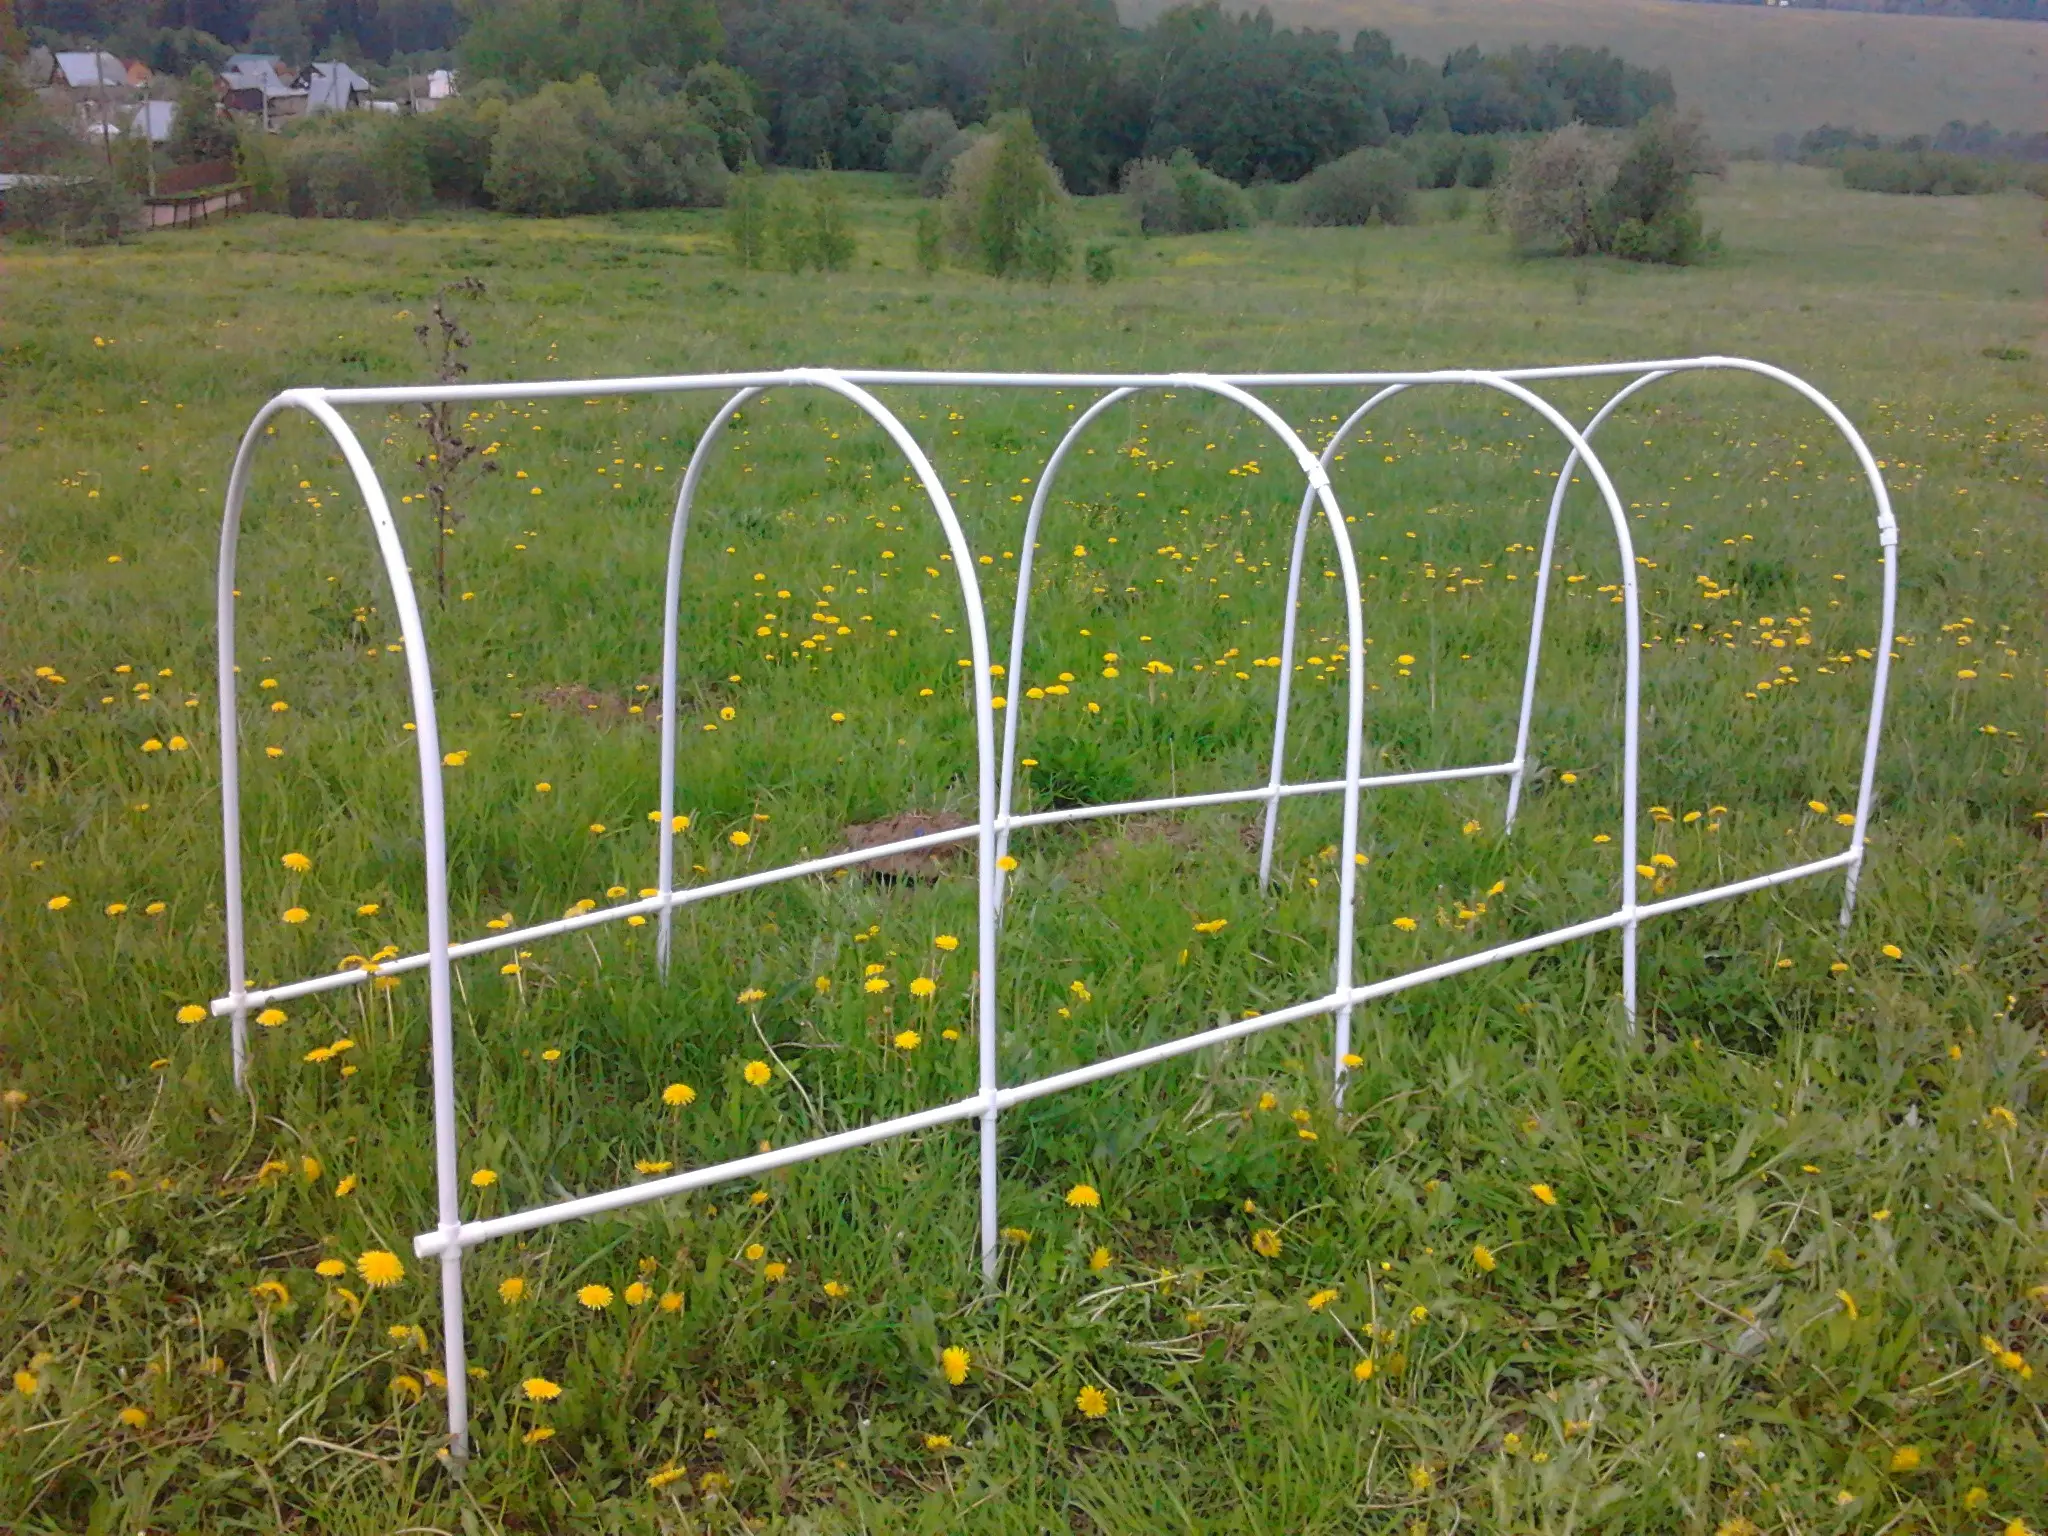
(807, 225)
(916, 136)
(455, 144)
(353, 168)
(547, 157)
(1580, 192)
(1554, 189)
(568, 149)
(999, 188)
(1361, 186)
(259, 160)
(74, 208)
(1045, 249)
(931, 242)
(1178, 197)
(746, 217)
(199, 132)
(1100, 264)
(1920, 174)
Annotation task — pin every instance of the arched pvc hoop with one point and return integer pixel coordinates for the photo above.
(452, 1235)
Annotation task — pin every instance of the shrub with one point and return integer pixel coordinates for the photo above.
(998, 188)
(746, 217)
(1580, 192)
(1178, 197)
(1920, 174)
(455, 144)
(917, 136)
(1481, 163)
(353, 168)
(1100, 264)
(259, 160)
(935, 175)
(198, 130)
(807, 225)
(82, 207)
(931, 241)
(1555, 185)
(1361, 186)
(547, 157)
(1045, 248)
(672, 156)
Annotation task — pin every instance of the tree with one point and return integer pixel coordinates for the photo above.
(529, 42)
(746, 217)
(550, 156)
(723, 100)
(1000, 187)
(1552, 197)
(13, 41)
(199, 131)
(1355, 189)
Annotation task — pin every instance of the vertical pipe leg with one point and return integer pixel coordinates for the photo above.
(455, 1354)
(1628, 974)
(1277, 770)
(989, 1230)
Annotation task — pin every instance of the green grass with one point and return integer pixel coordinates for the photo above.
(1752, 71)
(1787, 1216)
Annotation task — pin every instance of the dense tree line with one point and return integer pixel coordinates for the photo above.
(834, 79)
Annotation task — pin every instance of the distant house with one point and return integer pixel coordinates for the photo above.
(255, 83)
(153, 118)
(67, 80)
(425, 93)
(333, 87)
(440, 84)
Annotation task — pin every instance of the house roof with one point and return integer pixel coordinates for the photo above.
(255, 72)
(82, 71)
(332, 87)
(154, 119)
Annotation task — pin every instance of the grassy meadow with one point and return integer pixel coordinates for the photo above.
(1752, 71)
(1774, 1264)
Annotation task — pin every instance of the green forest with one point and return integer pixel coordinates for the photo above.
(831, 81)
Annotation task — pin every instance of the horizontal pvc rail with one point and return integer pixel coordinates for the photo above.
(997, 818)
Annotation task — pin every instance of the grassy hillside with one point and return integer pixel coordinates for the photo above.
(1753, 72)
(1786, 1215)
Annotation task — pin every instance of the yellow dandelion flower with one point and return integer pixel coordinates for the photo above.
(27, 1383)
(651, 1165)
(938, 1442)
(751, 995)
(1849, 1305)
(1084, 1195)
(1363, 1371)
(1892, 952)
(191, 1013)
(923, 986)
(58, 903)
(346, 1185)
(454, 759)
(378, 1267)
(637, 1294)
(1213, 925)
(740, 839)
(595, 1297)
(876, 984)
(539, 1389)
(1420, 1478)
(1906, 1458)
(671, 1301)
(954, 1361)
(297, 863)
(668, 1474)
(836, 1289)
(512, 1290)
(1006, 863)
(1976, 1498)
(483, 1178)
(775, 1273)
(330, 1269)
(1405, 924)
(1483, 1257)
(538, 1435)
(1092, 1402)
(1544, 1193)
(1266, 1243)
(678, 1095)
(756, 1073)
(1321, 1299)
(907, 1040)
(296, 914)
(1100, 1259)
(947, 942)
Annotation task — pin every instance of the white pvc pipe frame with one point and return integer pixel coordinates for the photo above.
(452, 1235)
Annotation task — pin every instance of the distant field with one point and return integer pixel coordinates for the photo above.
(1753, 72)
